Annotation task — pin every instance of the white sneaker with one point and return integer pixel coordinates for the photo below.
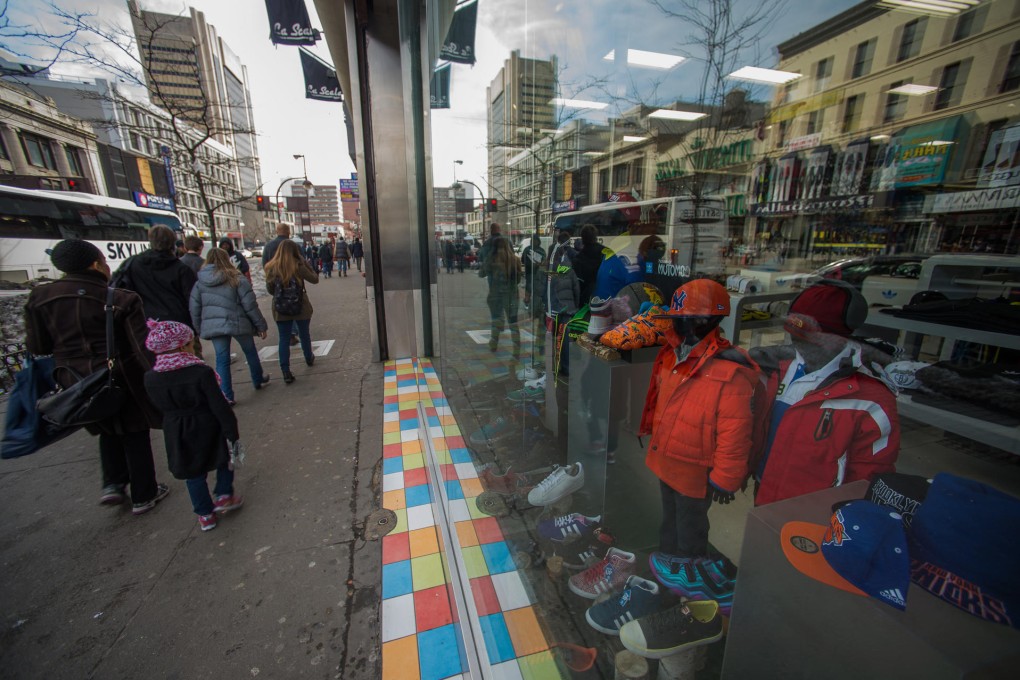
(561, 482)
(537, 383)
(529, 373)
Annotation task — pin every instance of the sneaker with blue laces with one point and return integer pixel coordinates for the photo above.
(568, 527)
(697, 578)
(640, 597)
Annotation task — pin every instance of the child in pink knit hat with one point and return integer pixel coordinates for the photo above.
(197, 420)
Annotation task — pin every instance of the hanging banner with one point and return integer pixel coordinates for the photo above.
(1001, 165)
(321, 82)
(439, 88)
(459, 45)
(289, 23)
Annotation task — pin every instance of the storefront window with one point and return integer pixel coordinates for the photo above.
(655, 187)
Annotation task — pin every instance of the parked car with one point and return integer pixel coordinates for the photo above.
(854, 270)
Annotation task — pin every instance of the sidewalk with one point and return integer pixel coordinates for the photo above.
(283, 588)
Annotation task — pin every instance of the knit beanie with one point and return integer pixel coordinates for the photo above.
(74, 255)
(167, 336)
(832, 308)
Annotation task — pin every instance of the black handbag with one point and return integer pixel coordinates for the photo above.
(93, 398)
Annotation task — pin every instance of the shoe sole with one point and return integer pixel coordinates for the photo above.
(207, 527)
(585, 594)
(663, 653)
(142, 509)
(573, 489)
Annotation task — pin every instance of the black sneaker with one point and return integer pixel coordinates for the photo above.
(668, 632)
(262, 383)
(581, 554)
(141, 508)
(112, 494)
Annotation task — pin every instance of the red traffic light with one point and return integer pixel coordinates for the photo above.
(492, 205)
(260, 203)
(72, 185)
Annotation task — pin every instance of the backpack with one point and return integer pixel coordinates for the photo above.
(287, 299)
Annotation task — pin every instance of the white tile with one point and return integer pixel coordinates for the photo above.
(398, 617)
(391, 416)
(393, 481)
(459, 510)
(419, 517)
(508, 670)
(444, 411)
(465, 470)
(436, 431)
(410, 389)
(510, 591)
(409, 435)
(403, 362)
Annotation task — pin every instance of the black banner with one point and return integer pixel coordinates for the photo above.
(439, 88)
(459, 45)
(289, 23)
(321, 82)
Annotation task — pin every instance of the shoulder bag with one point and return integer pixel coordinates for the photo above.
(94, 397)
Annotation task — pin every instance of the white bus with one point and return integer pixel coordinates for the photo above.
(31, 221)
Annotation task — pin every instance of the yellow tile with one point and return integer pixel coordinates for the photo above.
(451, 430)
(414, 461)
(466, 534)
(410, 447)
(391, 426)
(400, 659)
(525, 632)
(423, 542)
(541, 666)
(394, 500)
(427, 572)
(444, 457)
(391, 438)
(470, 487)
(474, 511)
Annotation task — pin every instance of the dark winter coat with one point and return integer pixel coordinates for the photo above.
(197, 420)
(162, 281)
(586, 266)
(357, 250)
(240, 262)
(67, 319)
(325, 252)
(217, 308)
(305, 273)
(193, 260)
(342, 252)
(270, 249)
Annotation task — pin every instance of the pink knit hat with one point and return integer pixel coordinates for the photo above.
(167, 336)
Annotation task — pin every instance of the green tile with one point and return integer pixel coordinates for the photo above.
(427, 572)
(391, 438)
(413, 461)
(401, 521)
(541, 666)
(474, 562)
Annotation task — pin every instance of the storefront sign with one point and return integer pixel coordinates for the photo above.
(815, 103)
(846, 203)
(349, 191)
(818, 175)
(670, 169)
(923, 153)
(805, 142)
(144, 200)
(999, 198)
(564, 206)
(1001, 164)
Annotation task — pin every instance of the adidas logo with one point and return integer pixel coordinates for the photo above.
(889, 294)
(893, 595)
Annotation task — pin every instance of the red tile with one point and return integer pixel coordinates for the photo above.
(395, 547)
(449, 472)
(391, 450)
(415, 477)
(455, 442)
(432, 608)
(430, 410)
(485, 596)
(487, 530)
(391, 399)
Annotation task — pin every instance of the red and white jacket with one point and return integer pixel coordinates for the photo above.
(844, 430)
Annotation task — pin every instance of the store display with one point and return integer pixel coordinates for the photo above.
(529, 373)
(697, 578)
(644, 329)
(526, 393)
(582, 554)
(569, 527)
(537, 383)
(500, 427)
(668, 632)
(903, 373)
(509, 482)
(901, 492)
(608, 575)
(561, 482)
(639, 598)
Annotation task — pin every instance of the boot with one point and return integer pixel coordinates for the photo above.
(288, 377)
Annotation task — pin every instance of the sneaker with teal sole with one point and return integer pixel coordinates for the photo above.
(697, 578)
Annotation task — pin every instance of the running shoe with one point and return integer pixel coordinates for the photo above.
(639, 598)
(697, 578)
(207, 522)
(674, 630)
(582, 554)
(529, 373)
(113, 494)
(508, 483)
(568, 527)
(537, 383)
(536, 394)
(562, 481)
(606, 576)
(141, 508)
(500, 427)
(226, 503)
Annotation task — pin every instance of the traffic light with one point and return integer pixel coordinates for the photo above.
(492, 205)
(261, 204)
(72, 185)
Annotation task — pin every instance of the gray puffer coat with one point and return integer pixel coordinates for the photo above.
(219, 309)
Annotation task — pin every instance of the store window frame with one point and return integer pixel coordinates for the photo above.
(823, 73)
(864, 57)
(911, 39)
(895, 104)
(4, 154)
(38, 151)
(73, 160)
(1011, 77)
(969, 23)
(951, 84)
(815, 121)
(853, 112)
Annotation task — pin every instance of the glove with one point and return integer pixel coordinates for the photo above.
(718, 495)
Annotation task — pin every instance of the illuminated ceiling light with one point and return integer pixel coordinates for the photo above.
(933, 7)
(912, 90)
(940, 142)
(594, 153)
(763, 75)
(633, 138)
(648, 59)
(879, 138)
(579, 103)
(670, 114)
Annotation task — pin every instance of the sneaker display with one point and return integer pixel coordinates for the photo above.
(537, 383)
(141, 508)
(506, 484)
(582, 554)
(207, 522)
(640, 597)
(500, 427)
(568, 527)
(668, 632)
(224, 504)
(112, 494)
(562, 481)
(529, 373)
(608, 575)
(697, 578)
(527, 394)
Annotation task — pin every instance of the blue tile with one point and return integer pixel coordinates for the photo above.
(439, 654)
(391, 408)
(460, 455)
(417, 495)
(396, 579)
(439, 401)
(434, 421)
(497, 557)
(391, 465)
(453, 490)
(407, 382)
(497, 638)
(409, 424)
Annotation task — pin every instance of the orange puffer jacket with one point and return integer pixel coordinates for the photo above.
(699, 413)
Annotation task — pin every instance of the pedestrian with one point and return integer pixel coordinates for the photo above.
(494, 233)
(587, 262)
(357, 251)
(286, 275)
(282, 234)
(192, 257)
(532, 258)
(502, 270)
(236, 258)
(223, 306)
(343, 257)
(448, 255)
(326, 258)
(67, 319)
(460, 251)
(199, 422)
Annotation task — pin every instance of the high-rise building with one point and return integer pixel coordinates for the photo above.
(323, 204)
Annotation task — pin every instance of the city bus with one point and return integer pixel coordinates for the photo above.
(34, 220)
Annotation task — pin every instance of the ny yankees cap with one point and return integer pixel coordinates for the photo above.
(863, 551)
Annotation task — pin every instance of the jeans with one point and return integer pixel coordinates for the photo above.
(358, 260)
(304, 334)
(221, 343)
(341, 266)
(127, 459)
(198, 489)
(684, 530)
(327, 267)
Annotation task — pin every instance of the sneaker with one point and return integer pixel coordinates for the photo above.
(668, 632)
(568, 527)
(141, 508)
(525, 408)
(562, 481)
(508, 483)
(224, 504)
(529, 373)
(639, 598)
(697, 578)
(207, 522)
(500, 427)
(606, 576)
(581, 555)
(536, 394)
(112, 494)
(537, 383)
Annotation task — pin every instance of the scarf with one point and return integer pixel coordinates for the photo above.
(173, 361)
